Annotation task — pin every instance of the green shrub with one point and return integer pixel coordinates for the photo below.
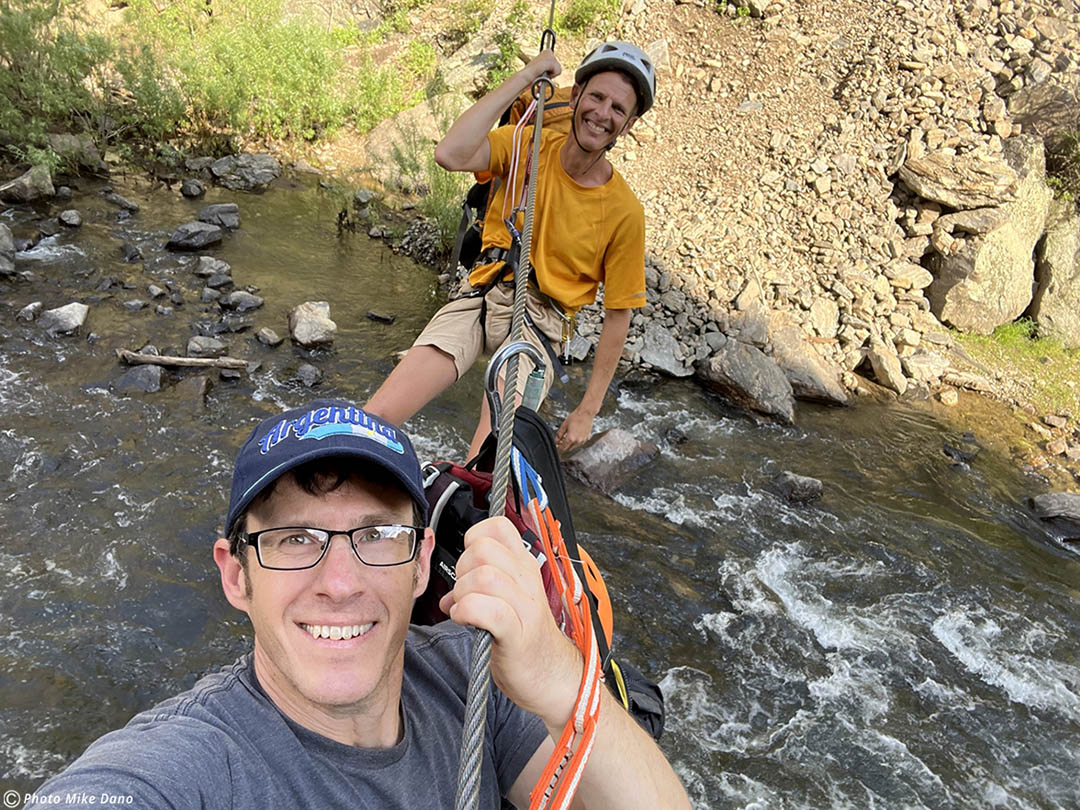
(45, 65)
(582, 15)
(441, 191)
(1063, 164)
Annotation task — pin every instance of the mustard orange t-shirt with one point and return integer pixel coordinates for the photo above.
(582, 235)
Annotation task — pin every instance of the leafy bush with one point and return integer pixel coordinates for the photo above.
(442, 191)
(45, 65)
(581, 15)
(1063, 164)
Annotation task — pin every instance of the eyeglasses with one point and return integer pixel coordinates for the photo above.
(294, 548)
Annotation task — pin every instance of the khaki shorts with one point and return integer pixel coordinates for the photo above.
(455, 329)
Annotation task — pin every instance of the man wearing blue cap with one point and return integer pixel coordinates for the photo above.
(341, 703)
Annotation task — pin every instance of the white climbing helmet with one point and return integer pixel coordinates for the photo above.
(625, 57)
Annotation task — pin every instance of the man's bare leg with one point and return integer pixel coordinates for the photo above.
(483, 427)
(423, 374)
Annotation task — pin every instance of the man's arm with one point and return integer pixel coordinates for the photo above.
(465, 147)
(577, 427)
(499, 589)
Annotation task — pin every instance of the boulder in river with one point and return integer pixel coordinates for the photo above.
(71, 218)
(194, 389)
(65, 319)
(662, 351)
(749, 379)
(886, 365)
(1061, 510)
(268, 337)
(797, 488)
(33, 185)
(30, 311)
(145, 378)
(224, 215)
(608, 459)
(120, 202)
(812, 377)
(203, 346)
(192, 188)
(241, 301)
(309, 375)
(246, 172)
(195, 236)
(7, 251)
(208, 267)
(310, 324)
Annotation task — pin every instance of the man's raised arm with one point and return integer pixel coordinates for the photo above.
(465, 147)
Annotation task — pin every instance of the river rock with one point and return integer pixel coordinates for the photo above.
(988, 281)
(308, 374)
(886, 365)
(49, 227)
(268, 337)
(65, 319)
(797, 488)
(607, 460)
(246, 172)
(194, 389)
(29, 312)
(960, 181)
(1061, 510)
(33, 185)
(224, 215)
(145, 378)
(208, 267)
(71, 218)
(192, 188)
(194, 236)
(925, 366)
(310, 324)
(749, 379)
(1056, 305)
(661, 351)
(218, 281)
(135, 305)
(7, 251)
(241, 301)
(123, 203)
(203, 346)
(811, 376)
(79, 150)
(209, 295)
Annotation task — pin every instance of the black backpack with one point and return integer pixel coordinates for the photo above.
(458, 498)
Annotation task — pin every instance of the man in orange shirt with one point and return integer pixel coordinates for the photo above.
(588, 228)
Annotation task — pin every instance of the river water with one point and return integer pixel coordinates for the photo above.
(912, 641)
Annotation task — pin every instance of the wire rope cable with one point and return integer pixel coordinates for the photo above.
(472, 748)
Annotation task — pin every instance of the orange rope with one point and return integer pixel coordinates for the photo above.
(560, 778)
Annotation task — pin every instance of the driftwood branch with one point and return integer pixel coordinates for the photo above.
(135, 358)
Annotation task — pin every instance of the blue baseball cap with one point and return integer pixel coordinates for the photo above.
(321, 429)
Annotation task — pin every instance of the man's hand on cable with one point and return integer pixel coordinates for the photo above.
(499, 589)
(575, 430)
(544, 64)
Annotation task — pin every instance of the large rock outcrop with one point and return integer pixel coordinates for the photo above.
(1056, 306)
(33, 185)
(986, 280)
(812, 377)
(748, 378)
(7, 251)
(246, 172)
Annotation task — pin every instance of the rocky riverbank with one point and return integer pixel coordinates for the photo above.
(828, 188)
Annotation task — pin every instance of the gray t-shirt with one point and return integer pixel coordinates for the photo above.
(224, 744)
